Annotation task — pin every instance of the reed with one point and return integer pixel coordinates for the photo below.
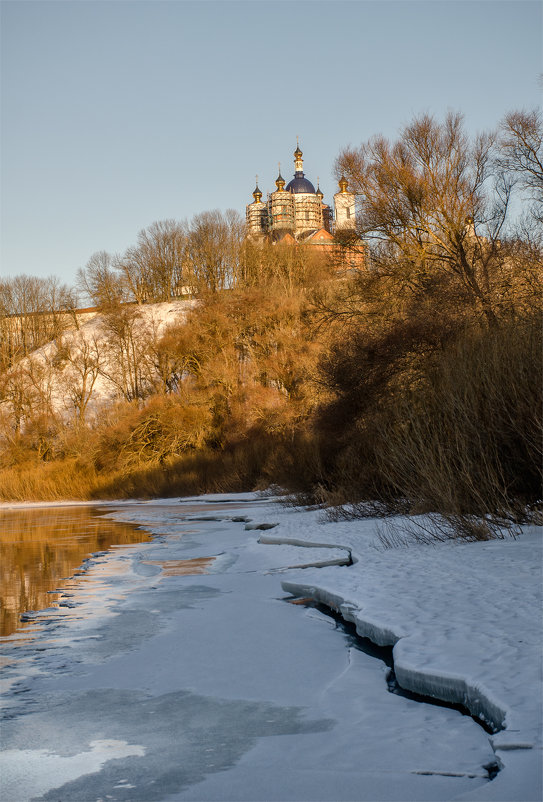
(67, 479)
(456, 434)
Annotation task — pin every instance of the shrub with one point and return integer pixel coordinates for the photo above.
(444, 423)
(468, 441)
(165, 427)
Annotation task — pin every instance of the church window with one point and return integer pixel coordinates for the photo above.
(348, 210)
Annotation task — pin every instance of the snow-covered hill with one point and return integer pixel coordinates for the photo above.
(102, 360)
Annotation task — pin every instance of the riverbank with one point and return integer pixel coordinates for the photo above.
(463, 618)
(146, 642)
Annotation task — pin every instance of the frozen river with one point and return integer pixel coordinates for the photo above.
(182, 673)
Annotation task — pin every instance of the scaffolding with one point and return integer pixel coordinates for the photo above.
(308, 213)
(296, 213)
(281, 211)
(257, 218)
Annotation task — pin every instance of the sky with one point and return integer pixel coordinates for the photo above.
(116, 114)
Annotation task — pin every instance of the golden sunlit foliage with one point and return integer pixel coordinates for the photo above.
(225, 390)
(412, 384)
(436, 382)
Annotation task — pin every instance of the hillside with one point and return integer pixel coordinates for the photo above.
(89, 366)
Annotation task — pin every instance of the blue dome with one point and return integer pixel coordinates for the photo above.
(300, 184)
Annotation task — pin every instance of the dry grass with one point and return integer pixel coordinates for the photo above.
(457, 434)
(469, 442)
(48, 481)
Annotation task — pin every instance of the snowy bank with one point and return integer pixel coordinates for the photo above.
(464, 619)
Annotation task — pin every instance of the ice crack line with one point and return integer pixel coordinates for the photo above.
(427, 687)
(341, 674)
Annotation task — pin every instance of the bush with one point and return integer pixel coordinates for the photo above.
(165, 427)
(445, 421)
(468, 441)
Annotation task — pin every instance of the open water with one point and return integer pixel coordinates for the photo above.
(42, 550)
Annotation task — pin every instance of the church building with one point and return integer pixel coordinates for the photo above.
(297, 213)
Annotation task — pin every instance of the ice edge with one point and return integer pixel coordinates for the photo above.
(452, 688)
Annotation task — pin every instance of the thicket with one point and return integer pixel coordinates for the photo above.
(436, 383)
(436, 415)
(213, 404)
(414, 385)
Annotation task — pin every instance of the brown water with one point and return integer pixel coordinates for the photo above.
(39, 548)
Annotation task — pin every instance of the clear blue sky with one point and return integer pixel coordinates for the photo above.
(117, 114)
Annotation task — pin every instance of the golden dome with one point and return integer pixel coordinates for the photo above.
(280, 182)
(257, 193)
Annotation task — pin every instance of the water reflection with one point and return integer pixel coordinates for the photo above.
(41, 547)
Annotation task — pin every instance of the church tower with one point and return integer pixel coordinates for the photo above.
(307, 204)
(281, 207)
(296, 212)
(344, 207)
(295, 208)
(257, 214)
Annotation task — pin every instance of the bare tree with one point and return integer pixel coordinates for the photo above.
(16, 397)
(432, 203)
(126, 359)
(9, 346)
(33, 311)
(213, 249)
(154, 270)
(79, 372)
(41, 371)
(521, 153)
(100, 281)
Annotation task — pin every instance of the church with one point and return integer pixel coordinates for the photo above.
(296, 212)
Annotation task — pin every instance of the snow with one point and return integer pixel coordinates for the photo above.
(91, 338)
(464, 619)
(211, 687)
